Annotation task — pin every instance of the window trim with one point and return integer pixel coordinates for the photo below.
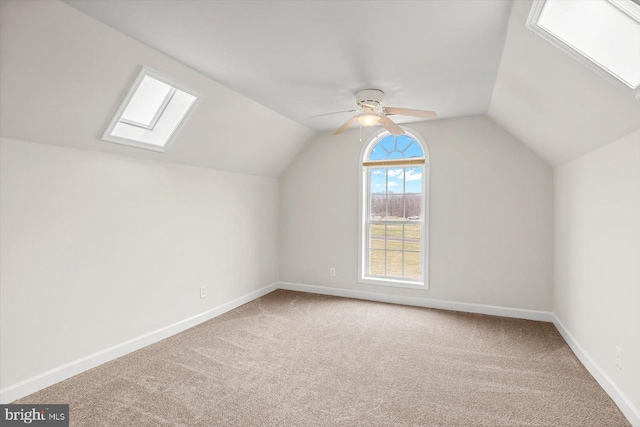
(363, 207)
(146, 71)
(601, 70)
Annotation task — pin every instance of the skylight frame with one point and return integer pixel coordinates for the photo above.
(600, 69)
(117, 117)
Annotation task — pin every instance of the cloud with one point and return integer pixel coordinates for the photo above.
(393, 173)
(392, 184)
(413, 176)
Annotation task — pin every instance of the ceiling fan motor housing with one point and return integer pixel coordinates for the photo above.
(369, 97)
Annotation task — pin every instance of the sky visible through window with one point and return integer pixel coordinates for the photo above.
(395, 210)
(393, 148)
(401, 179)
(396, 180)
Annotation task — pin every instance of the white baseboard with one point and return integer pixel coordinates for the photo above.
(628, 409)
(518, 313)
(53, 376)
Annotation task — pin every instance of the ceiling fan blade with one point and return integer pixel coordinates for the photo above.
(390, 126)
(429, 115)
(328, 114)
(346, 126)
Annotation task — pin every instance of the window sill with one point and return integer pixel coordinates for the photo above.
(395, 283)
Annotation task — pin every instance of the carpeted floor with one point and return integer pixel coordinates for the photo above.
(294, 359)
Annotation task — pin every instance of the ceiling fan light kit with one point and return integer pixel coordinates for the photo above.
(367, 119)
(372, 113)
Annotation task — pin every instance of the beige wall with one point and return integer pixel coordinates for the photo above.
(597, 279)
(98, 249)
(491, 216)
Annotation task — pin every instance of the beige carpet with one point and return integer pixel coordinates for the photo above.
(294, 359)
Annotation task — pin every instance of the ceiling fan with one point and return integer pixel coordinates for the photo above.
(370, 113)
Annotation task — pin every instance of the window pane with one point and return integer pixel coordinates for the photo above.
(414, 150)
(388, 143)
(395, 180)
(394, 231)
(600, 31)
(394, 263)
(394, 244)
(378, 153)
(173, 115)
(378, 207)
(395, 210)
(412, 235)
(413, 206)
(376, 236)
(413, 180)
(393, 148)
(395, 155)
(394, 236)
(376, 262)
(378, 178)
(413, 188)
(146, 102)
(402, 142)
(412, 268)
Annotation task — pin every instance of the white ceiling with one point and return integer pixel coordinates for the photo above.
(302, 58)
(63, 73)
(553, 103)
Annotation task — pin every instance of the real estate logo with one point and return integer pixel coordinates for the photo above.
(36, 415)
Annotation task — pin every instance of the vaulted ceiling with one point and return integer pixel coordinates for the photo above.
(64, 74)
(302, 58)
(265, 67)
(553, 103)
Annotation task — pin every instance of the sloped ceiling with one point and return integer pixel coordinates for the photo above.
(63, 74)
(553, 103)
(302, 58)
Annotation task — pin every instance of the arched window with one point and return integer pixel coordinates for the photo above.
(394, 211)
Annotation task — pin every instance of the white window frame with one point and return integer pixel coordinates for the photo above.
(363, 219)
(532, 24)
(146, 71)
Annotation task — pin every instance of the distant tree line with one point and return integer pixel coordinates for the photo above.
(396, 205)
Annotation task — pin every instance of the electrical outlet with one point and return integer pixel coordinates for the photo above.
(618, 357)
(203, 291)
(332, 272)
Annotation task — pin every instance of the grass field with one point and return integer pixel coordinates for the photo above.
(402, 248)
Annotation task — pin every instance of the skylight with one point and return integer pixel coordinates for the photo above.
(602, 34)
(151, 113)
(147, 103)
